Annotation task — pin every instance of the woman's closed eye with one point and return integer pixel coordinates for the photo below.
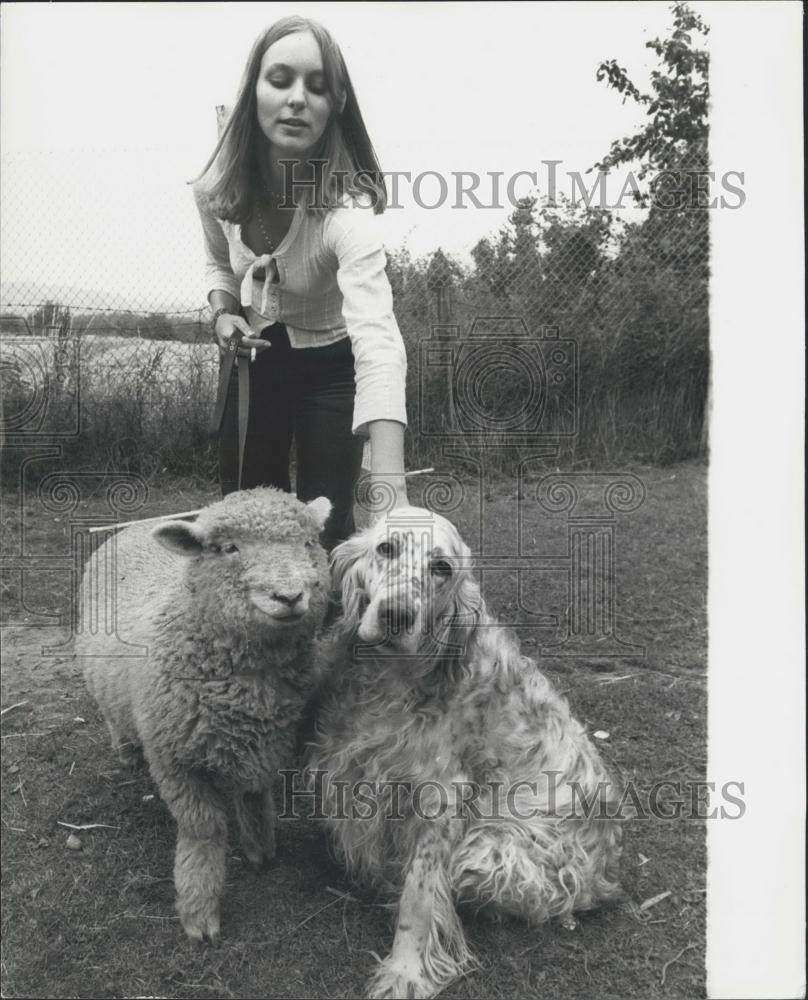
(283, 80)
(316, 84)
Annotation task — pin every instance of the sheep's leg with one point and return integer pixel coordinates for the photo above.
(255, 814)
(130, 754)
(199, 861)
(125, 742)
(429, 949)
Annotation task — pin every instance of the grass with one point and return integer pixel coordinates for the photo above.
(99, 921)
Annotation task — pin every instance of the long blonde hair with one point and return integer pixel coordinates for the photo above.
(350, 166)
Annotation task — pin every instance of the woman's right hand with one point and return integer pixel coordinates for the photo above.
(227, 325)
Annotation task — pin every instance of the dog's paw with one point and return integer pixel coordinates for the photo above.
(401, 981)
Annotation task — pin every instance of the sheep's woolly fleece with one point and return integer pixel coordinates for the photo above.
(257, 513)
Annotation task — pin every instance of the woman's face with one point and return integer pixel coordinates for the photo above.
(293, 101)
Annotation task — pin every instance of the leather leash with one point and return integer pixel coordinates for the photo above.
(225, 371)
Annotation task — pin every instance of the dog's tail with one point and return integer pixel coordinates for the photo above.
(534, 871)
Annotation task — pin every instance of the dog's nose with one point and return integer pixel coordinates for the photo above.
(398, 615)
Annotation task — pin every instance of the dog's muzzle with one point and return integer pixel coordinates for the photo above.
(399, 612)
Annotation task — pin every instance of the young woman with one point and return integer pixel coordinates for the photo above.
(296, 270)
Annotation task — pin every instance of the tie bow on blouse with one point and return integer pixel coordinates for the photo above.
(269, 299)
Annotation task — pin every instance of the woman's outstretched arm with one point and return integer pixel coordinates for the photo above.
(387, 457)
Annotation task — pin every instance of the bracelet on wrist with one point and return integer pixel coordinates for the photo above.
(217, 313)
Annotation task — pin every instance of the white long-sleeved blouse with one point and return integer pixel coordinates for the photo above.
(325, 281)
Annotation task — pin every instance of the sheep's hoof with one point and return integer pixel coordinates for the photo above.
(131, 756)
(259, 859)
(259, 855)
(204, 929)
(254, 855)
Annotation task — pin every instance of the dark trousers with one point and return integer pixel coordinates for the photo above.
(306, 394)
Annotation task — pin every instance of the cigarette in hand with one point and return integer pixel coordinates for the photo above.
(252, 354)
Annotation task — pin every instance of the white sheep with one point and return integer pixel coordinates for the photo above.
(225, 609)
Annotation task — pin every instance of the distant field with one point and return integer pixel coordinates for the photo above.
(106, 358)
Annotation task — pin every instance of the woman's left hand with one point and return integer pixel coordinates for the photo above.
(385, 493)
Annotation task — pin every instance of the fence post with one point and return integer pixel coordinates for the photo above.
(704, 442)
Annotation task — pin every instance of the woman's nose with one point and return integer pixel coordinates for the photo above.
(297, 95)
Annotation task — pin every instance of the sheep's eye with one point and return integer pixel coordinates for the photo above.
(230, 548)
(440, 568)
(385, 549)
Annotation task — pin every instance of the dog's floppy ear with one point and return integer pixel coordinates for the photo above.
(462, 610)
(348, 563)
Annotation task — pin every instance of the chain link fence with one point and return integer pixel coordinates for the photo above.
(569, 324)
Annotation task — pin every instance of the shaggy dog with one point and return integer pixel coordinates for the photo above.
(449, 771)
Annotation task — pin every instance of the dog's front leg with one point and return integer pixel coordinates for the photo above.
(429, 949)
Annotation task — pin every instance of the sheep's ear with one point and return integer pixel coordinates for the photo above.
(320, 509)
(180, 537)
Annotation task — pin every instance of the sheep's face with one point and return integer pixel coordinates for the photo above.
(256, 562)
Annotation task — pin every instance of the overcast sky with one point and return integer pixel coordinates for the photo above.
(108, 109)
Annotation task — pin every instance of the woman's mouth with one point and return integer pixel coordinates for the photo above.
(294, 123)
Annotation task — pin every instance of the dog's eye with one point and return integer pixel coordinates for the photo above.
(385, 549)
(440, 568)
(230, 548)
